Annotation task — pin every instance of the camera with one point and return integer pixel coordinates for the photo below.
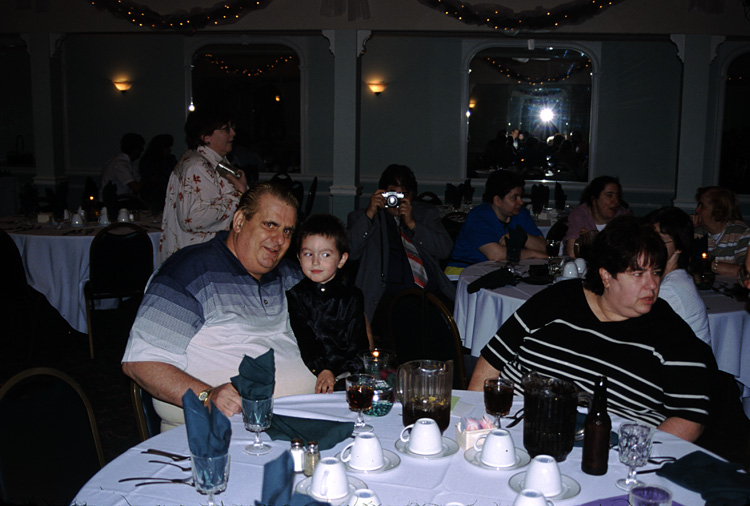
(392, 199)
(225, 168)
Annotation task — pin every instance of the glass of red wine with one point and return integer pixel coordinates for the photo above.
(498, 397)
(359, 391)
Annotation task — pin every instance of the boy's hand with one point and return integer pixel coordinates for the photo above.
(325, 382)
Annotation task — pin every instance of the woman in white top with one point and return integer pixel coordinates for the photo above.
(677, 287)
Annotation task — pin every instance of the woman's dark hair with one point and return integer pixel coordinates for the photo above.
(626, 243)
(326, 225)
(678, 226)
(597, 186)
(203, 122)
(399, 175)
(500, 183)
(724, 205)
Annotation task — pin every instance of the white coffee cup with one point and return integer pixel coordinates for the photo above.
(570, 270)
(363, 497)
(580, 266)
(76, 220)
(424, 437)
(123, 216)
(544, 475)
(531, 497)
(329, 479)
(364, 453)
(103, 218)
(497, 449)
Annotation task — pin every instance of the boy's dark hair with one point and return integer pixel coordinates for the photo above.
(326, 225)
(501, 183)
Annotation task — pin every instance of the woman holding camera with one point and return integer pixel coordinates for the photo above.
(398, 243)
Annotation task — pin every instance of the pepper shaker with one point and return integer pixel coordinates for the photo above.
(312, 456)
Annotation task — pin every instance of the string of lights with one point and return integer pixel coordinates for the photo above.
(233, 70)
(576, 67)
(500, 18)
(224, 13)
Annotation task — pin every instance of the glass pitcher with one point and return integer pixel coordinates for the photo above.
(550, 408)
(425, 388)
(382, 365)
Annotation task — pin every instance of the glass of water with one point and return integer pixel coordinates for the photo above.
(635, 445)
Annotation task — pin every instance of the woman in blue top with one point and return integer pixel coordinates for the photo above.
(482, 236)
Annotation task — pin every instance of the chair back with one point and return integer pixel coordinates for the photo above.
(147, 420)
(429, 198)
(422, 328)
(282, 178)
(121, 260)
(51, 443)
(558, 230)
(298, 190)
(310, 198)
(453, 222)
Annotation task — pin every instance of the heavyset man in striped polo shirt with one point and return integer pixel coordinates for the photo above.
(612, 324)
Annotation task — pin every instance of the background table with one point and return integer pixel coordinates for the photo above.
(57, 260)
(479, 315)
(414, 481)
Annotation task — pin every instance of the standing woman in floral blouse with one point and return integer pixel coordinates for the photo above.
(200, 201)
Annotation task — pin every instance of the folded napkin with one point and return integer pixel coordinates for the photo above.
(494, 279)
(208, 431)
(539, 197)
(257, 376)
(256, 381)
(560, 197)
(278, 484)
(452, 195)
(514, 243)
(718, 482)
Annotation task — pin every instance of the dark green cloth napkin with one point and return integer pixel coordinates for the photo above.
(560, 197)
(718, 482)
(327, 433)
(515, 242)
(257, 377)
(278, 485)
(494, 279)
(208, 432)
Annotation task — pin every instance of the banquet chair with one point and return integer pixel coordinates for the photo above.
(51, 444)
(121, 260)
(147, 420)
(429, 198)
(420, 326)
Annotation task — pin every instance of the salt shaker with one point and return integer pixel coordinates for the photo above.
(298, 455)
(312, 456)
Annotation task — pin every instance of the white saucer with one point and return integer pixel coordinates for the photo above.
(390, 460)
(303, 487)
(522, 459)
(570, 487)
(449, 448)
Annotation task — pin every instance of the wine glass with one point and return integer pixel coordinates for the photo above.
(210, 475)
(635, 449)
(498, 397)
(257, 414)
(359, 392)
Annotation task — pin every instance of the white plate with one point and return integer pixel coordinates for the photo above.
(303, 487)
(522, 459)
(570, 487)
(390, 460)
(449, 448)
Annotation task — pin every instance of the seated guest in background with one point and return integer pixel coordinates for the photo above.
(601, 201)
(613, 324)
(718, 215)
(120, 170)
(482, 236)
(200, 202)
(155, 167)
(677, 287)
(211, 304)
(326, 311)
(398, 247)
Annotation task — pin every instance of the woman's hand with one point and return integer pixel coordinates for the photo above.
(240, 183)
(325, 382)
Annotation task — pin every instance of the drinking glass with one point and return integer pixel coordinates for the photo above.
(650, 495)
(210, 475)
(257, 415)
(498, 397)
(635, 449)
(359, 392)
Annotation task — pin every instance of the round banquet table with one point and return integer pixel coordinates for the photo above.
(413, 481)
(56, 260)
(480, 314)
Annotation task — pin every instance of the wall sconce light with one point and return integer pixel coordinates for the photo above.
(472, 103)
(122, 86)
(377, 88)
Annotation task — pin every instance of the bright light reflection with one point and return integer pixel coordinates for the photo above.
(546, 115)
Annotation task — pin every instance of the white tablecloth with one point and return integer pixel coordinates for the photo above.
(414, 481)
(479, 315)
(57, 262)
